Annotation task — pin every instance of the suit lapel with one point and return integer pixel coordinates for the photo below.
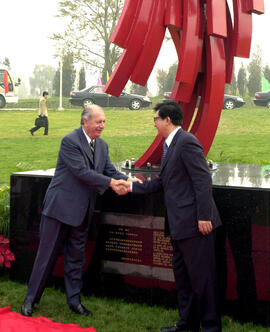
(85, 145)
(170, 149)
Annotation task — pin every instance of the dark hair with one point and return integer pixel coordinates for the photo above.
(45, 93)
(171, 109)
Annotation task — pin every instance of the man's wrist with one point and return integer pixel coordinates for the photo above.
(111, 182)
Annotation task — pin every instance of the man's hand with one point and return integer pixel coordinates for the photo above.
(205, 226)
(121, 187)
(134, 179)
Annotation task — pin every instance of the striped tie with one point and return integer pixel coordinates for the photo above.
(165, 148)
(92, 147)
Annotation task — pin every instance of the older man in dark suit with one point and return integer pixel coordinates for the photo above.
(83, 170)
(192, 218)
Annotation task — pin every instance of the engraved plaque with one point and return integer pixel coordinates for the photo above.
(135, 245)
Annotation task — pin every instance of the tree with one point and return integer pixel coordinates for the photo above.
(6, 62)
(242, 80)
(56, 83)
(161, 81)
(231, 89)
(82, 82)
(68, 76)
(91, 23)
(234, 84)
(255, 72)
(228, 88)
(171, 77)
(41, 80)
(266, 73)
(138, 89)
(22, 91)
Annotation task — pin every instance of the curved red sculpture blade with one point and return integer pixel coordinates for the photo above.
(206, 42)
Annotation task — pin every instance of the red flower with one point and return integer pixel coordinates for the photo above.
(6, 256)
(3, 239)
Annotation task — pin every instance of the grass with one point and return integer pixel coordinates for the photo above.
(4, 211)
(126, 136)
(109, 315)
(243, 136)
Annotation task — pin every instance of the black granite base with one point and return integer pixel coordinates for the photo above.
(128, 256)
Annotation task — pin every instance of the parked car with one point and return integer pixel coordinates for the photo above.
(229, 102)
(96, 95)
(262, 99)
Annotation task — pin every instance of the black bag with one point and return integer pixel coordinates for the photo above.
(40, 121)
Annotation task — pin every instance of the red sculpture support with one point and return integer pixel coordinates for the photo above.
(206, 42)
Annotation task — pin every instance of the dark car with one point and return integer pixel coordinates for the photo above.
(262, 99)
(229, 102)
(96, 95)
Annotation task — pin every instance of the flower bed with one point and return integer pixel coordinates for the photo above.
(6, 256)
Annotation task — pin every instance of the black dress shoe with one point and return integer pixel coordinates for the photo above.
(27, 308)
(80, 309)
(31, 132)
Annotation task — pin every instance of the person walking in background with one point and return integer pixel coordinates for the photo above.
(42, 120)
(82, 172)
(191, 219)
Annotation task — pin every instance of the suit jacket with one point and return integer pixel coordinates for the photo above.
(78, 179)
(43, 110)
(187, 184)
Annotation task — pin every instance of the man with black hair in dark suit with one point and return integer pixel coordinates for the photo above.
(191, 217)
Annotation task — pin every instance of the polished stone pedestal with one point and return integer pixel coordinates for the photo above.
(128, 255)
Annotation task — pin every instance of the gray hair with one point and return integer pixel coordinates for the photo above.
(86, 113)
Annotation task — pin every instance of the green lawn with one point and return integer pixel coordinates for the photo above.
(243, 136)
(109, 315)
(128, 134)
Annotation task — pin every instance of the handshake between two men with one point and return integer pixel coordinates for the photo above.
(122, 187)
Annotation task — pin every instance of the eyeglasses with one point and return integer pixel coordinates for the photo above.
(155, 118)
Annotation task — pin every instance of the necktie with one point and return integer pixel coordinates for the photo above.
(92, 148)
(165, 148)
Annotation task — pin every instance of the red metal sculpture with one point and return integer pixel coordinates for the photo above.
(206, 42)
